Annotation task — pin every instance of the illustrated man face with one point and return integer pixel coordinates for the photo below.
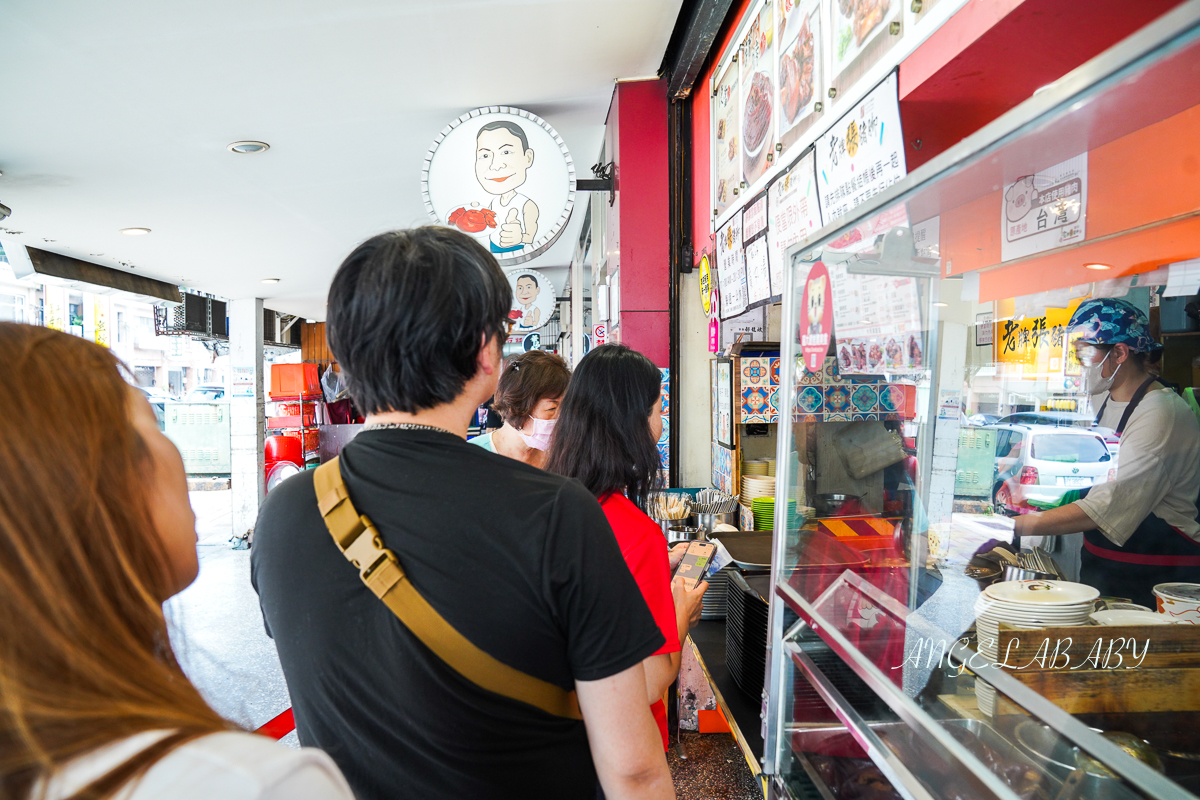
(502, 157)
(527, 289)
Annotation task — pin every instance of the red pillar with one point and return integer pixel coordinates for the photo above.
(638, 222)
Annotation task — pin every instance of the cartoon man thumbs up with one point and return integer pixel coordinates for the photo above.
(510, 231)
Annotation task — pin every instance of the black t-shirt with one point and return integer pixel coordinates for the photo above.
(520, 561)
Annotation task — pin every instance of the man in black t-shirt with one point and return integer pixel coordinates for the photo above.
(519, 561)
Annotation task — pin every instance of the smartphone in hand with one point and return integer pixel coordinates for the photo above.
(694, 563)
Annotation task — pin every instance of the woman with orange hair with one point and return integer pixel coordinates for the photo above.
(95, 533)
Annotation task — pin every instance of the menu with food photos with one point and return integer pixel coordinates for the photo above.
(756, 65)
(855, 25)
(798, 63)
(877, 320)
(726, 140)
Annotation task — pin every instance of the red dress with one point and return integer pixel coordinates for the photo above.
(645, 550)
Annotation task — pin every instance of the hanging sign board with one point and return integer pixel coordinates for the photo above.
(794, 213)
(816, 318)
(799, 62)
(726, 141)
(504, 176)
(857, 24)
(731, 266)
(1045, 210)
(706, 285)
(863, 153)
(754, 234)
(534, 299)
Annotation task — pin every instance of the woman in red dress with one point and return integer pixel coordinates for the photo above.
(608, 427)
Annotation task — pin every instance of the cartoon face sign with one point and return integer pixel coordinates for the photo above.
(1019, 199)
(502, 157)
(533, 300)
(816, 303)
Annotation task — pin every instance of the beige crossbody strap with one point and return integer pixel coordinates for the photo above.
(380, 570)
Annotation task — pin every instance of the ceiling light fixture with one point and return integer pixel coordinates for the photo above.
(135, 231)
(1097, 266)
(941, 305)
(270, 280)
(248, 147)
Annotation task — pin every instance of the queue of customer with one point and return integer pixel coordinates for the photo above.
(515, 566)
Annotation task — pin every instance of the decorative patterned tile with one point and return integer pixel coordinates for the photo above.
(829, 372)
(773, 369)
(797, 417)
(756, 404)
(866, 416)
(863, 398)
(836, 417)
(837, 398)
(810, 400)
(755, 372)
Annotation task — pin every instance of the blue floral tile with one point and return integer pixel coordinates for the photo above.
(773, 370)
(755, 372)
(837, 399)
(864, 398)
(756, 404)
(891, 399)
(810, 400)
(836, 417)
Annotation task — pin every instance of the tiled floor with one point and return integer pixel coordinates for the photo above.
(713, 770)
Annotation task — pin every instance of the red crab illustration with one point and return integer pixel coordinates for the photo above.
(473, 220)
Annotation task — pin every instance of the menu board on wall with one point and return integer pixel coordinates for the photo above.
(856, 24)
(794, 213)
(798, 65)
(754, 234)
(727, 172)
(757, 67)
(878, 323)
(731, 268)
(1045, 210)
(863, 153)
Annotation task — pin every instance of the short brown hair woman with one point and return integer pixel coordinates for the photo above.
(95, 533)
(527, 397)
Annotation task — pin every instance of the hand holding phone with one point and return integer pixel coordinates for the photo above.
(694, 564)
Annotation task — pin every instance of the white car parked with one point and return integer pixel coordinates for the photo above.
(1036, 465)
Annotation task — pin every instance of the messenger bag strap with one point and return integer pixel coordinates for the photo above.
(359, 541)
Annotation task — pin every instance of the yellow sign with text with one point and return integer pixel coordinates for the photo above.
(1035, 344)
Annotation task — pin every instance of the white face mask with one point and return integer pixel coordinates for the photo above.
(1094, 381)
(536, 433)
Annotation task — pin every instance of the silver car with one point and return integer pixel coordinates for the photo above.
(1036, 465)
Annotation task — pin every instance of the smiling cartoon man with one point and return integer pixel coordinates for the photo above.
(502, 160)
(525, 297)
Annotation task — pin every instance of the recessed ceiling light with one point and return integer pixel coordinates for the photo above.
(1097, 266)
(248, 147)
(135, 231)
(270, 280)
(941, 305)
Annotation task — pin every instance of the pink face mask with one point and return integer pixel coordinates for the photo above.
(536, 433)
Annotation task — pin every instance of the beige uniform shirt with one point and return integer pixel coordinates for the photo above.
(1158, 467)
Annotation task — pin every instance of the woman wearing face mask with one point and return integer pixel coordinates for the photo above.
(1141, 528)
(95, 533)
(527, 398)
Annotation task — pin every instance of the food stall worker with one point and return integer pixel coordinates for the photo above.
(1141, 528)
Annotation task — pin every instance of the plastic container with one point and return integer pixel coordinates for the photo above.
(295, 380)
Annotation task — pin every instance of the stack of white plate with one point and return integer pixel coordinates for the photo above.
(1030, 604)
(756, 486)
(758, 466)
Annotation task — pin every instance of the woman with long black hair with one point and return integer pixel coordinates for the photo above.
(608, 426)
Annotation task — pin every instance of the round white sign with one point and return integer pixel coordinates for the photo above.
(534, 300)
(504, 176)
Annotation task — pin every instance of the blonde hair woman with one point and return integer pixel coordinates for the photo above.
(95, 533)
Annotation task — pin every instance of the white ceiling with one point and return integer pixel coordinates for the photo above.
(117, 114)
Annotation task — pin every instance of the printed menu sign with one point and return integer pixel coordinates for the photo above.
(726, 140)
(878, 321)
(856, 24)
(863, 153)
(757, 94)
(1045, 210)
(794, 212)
(731, 268)
(799, 61)
(758, 273)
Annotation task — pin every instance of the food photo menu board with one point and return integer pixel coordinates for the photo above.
(798, 66)
(855, 25)
(726, 140)
(794, 213)
(757, 69)
(877, 319)
(863, 153)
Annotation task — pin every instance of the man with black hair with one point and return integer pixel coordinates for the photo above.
(520, 562)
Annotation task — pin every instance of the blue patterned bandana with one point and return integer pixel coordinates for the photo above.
(1107, 320)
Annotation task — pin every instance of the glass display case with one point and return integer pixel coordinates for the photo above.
(918, 647)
